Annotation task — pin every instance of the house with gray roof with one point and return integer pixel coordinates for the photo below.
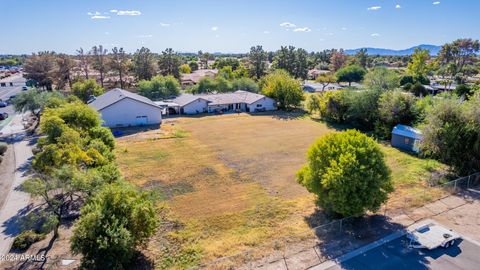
(238, 101)
(121, 108)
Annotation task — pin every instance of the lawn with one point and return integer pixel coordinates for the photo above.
(226, 183)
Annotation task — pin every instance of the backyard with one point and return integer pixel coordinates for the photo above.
(226, 184)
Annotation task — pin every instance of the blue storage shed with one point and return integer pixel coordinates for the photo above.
(406, 138)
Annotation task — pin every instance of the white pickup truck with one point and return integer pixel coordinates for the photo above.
(431, 236)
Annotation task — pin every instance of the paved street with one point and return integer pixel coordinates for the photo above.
(5, 93)
(395, 255)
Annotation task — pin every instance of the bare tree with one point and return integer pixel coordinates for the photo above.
(41, 68)
(100, 61)
(64, 68)
(119, 63)
(84, 61)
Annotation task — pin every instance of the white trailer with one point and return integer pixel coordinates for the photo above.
(431, 236)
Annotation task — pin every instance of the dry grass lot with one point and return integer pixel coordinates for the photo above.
(227, 183)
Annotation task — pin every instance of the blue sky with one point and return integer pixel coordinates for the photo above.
(233, 26)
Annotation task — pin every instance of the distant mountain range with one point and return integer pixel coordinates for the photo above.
(434, 49)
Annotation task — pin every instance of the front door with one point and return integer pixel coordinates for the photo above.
(142, 120)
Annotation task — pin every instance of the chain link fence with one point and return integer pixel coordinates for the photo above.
(340, 236)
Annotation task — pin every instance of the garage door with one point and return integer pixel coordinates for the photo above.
(142, 120)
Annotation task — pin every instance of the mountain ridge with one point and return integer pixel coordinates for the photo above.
(434, 50)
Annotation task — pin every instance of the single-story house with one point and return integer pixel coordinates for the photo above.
(406, 138)
(314, 73)
(238, 101)
(193, 78)
(312, 87)
(121, 108)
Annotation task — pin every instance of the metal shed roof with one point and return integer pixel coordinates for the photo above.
(407, 131)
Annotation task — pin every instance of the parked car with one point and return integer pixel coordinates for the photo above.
(3, 116)
(24, 88)
(3, 104)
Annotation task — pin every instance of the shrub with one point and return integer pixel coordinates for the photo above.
(463, 90)
(395, 107)
(116, 221)
(419, 90)
(407, 86)
(347, 172)
(3, 148)
(25, 239)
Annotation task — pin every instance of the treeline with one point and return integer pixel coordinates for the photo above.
(115, 67)
(449, 120)
(74, 171)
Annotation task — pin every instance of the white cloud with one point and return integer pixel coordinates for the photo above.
(113, 10)
(302, 29)
(398, 6)
(266, 32)
(374, 8)
(329, 34)
(164, 24)
(344, 28)
(99, 17)
(436, 3)
(93, 13)
(375, 35)
(145, 36)
(128, 12)
(214, 28)
(287, 24)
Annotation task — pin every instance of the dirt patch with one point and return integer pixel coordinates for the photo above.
(7, 173)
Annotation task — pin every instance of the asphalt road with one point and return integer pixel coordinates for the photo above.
(5, 93)
(395, 255)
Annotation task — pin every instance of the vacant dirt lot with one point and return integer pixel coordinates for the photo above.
(227, 183)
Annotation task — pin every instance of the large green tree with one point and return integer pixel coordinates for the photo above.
(169, 63)
(41, 67)
(280, 86)
(452, 134)
(395, 107)
(347, 172)
(350, 74)
(159, 87)
(258, 58)
(380, 78)
(144, 64)
(419, 65)
(112, 225)
(84, 90)
(458, 56)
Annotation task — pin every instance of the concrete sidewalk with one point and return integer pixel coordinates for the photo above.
(17, 202)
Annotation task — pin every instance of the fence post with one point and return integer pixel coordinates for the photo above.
(455, 187)
(341, 224)
(468, 182)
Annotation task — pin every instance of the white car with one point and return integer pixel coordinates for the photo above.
(432, 236)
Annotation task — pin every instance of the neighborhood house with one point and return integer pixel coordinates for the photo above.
(189, 79)
(406, 138)
(239, 101)
(120, 108)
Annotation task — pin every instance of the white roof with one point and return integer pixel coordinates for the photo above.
(407, 131)
(239, 96)
(114, 96)
(432, 235)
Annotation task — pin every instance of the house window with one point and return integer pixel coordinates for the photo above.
(259, 105)
(407, 140)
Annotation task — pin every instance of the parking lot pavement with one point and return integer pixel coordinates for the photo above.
(395, 255)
